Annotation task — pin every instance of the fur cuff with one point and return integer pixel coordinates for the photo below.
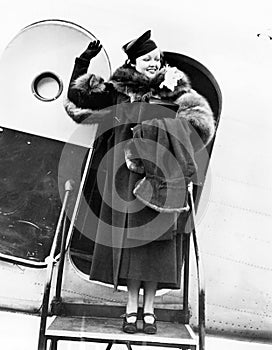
(85, 115)
(162, 197)
(89, 83)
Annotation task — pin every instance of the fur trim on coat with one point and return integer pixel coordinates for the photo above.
(128, 81)
(136, 87)
(85, 115)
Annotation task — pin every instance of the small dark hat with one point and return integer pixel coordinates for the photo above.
(140, 46)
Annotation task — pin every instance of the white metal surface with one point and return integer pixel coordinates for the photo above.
(46, 46)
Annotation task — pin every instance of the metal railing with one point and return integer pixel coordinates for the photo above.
(50, 260)
(200, 276)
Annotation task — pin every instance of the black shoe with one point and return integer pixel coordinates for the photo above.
(129, 327)
(150, 328)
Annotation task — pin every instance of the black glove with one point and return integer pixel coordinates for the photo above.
(92, 50)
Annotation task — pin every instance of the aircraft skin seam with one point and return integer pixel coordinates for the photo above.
(90, 296)
(239, 261)
(240, 310)
(245, 236)
(266, 295)
(224, 178)
(241, 208)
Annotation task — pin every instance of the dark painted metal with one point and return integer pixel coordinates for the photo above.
(29, 196)
(45, 302)
(31, 192)
(114, 311)
(201, 78)
(57, 307)
(203, 81)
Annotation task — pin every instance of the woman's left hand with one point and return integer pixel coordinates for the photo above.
(92, 50)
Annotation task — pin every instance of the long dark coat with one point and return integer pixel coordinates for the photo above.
(117, 106)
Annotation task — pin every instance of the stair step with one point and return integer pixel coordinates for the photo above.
(109, 330)
(167, 313)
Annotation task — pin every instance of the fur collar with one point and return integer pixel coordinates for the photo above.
(129, 81)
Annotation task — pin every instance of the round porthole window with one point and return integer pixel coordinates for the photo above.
(47, 86)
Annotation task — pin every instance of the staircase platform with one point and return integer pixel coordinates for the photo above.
(167, 313)
(109, 330)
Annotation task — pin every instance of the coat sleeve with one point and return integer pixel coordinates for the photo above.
(195, 108)
(88, 95)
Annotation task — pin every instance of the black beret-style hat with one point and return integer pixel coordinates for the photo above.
(140, 46)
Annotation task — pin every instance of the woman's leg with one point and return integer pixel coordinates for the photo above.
(150, 288)
(133, 298)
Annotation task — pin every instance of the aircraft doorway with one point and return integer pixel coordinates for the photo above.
(202, 81)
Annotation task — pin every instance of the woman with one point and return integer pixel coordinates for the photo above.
(145, 240)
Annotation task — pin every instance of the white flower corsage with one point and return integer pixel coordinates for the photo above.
(171, 77)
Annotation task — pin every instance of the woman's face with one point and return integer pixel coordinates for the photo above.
(149, 64)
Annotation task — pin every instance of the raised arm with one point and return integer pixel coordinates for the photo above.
(87, 93)
(80, 68)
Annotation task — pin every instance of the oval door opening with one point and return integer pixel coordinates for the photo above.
(203, 82)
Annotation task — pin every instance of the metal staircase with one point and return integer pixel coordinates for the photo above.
(102, 323)
(108, 331)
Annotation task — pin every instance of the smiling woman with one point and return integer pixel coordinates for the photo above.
(149, 64)
(141, 203)
(234, 239)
